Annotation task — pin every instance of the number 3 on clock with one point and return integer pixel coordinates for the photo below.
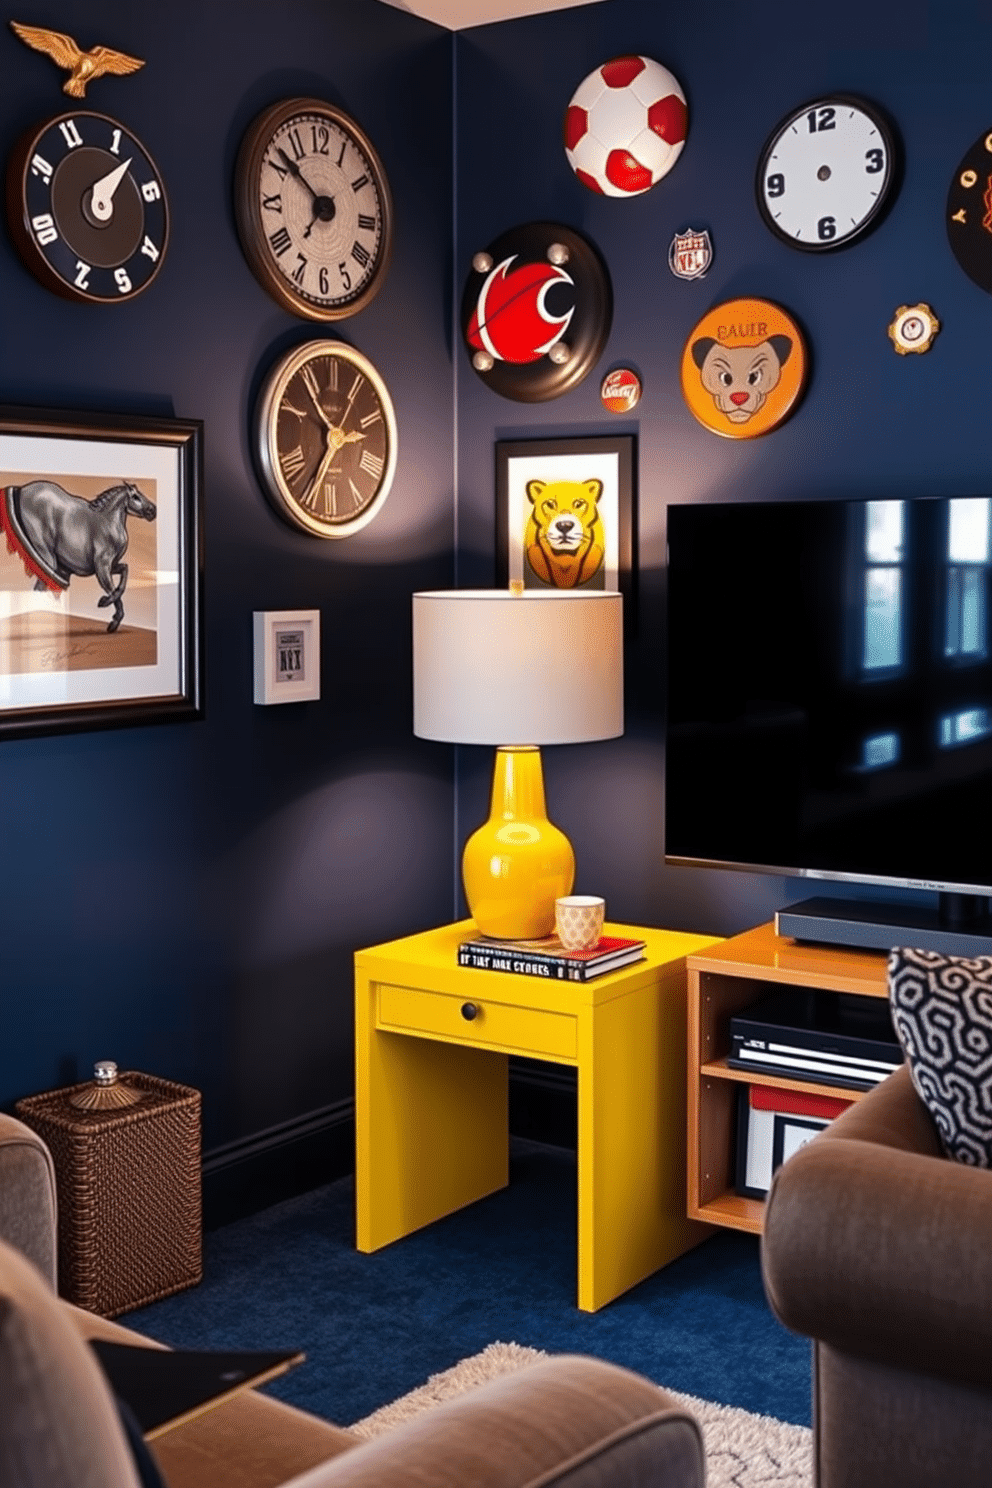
(827, 173)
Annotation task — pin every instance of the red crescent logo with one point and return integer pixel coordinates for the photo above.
(510, 319)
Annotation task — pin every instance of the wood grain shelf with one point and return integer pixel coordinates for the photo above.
(721, 1070)
(734, 1212)
(723, 980)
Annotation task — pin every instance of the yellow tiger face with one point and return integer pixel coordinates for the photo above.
(565, 541)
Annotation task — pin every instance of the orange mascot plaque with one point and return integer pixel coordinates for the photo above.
(744, 368)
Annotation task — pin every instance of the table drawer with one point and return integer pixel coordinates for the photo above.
(496, 1025)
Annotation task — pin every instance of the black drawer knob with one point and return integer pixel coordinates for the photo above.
(469, 1011)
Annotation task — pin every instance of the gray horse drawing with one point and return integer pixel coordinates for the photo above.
(69, 535)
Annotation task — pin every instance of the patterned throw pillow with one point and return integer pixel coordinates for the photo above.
(942, 1011)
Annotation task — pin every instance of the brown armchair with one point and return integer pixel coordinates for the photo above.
(879, 1249)
(569, 1421)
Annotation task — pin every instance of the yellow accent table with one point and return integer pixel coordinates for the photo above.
(432, 1040)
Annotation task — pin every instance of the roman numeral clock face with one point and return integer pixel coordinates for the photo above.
(313, 209)
(827, 173)
(325, 439)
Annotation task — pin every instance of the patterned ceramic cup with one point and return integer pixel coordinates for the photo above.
(579, 921)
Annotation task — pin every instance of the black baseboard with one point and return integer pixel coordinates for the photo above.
(255, 1172)
(251, 1174)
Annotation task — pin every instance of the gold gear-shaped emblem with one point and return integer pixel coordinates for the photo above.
(913, 328)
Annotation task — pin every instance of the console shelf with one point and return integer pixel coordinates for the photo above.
(724, 979)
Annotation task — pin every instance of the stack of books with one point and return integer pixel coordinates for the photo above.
(548, 957)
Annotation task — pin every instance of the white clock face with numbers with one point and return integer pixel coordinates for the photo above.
(826, 173)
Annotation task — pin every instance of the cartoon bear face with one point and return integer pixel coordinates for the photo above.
(740, 377)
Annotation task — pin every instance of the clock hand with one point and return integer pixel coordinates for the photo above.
(294, 170)
(322, 470)
(338, 437)
(323, 206)
(316, 403)
(101, 201)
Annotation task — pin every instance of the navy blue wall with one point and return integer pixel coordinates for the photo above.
(872, 423)
(186, 899)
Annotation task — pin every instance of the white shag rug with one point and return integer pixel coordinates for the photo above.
(742, 1450)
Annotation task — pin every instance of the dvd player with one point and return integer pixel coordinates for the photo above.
(829, 1038)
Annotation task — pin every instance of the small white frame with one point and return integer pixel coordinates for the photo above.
(287, 656)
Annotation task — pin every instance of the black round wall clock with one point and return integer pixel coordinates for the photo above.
(969, 213)
(325, 438)
(313, 209)
(536, 311)
(827, 173)
(87, 209)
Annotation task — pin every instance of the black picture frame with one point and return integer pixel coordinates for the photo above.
(783, 1124)
(95, 635)
(606, 457)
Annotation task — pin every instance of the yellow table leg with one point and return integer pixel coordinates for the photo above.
(632, 1139)
(431, 1127)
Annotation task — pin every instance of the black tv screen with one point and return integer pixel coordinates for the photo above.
(830, 690)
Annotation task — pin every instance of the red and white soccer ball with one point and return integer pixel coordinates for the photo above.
(625, 126)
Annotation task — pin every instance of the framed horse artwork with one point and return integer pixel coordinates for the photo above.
(100, 570)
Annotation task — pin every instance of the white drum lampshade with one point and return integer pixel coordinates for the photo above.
(494, 667)
(517, 670)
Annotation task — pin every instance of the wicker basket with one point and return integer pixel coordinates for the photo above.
(128, 1183)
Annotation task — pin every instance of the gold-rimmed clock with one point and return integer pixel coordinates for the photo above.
(313, 209)
(325, 438)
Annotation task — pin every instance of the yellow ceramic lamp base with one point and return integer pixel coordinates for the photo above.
(518, 863)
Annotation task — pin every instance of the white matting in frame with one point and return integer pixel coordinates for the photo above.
(575, 462)
(287, 656)
(99, 570)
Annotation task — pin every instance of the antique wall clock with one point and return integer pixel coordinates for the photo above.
(969, 212)
(325, 438)
(313, 209)
(87, 208)
(827, 173)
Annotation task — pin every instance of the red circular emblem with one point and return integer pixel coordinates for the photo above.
(621, 390)
(511, 320)
(536, 311)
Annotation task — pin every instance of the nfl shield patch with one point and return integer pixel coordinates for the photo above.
(690, 254)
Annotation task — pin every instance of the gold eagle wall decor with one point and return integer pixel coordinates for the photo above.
(82, 67)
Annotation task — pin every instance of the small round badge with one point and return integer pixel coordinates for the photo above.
(620, 390)
(744, 368)
(913, 328)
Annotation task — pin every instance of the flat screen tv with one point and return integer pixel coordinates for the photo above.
(830, 692)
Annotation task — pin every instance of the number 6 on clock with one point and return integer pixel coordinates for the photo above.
(827, 173)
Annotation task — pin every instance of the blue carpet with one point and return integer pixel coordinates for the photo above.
(374, 1327)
